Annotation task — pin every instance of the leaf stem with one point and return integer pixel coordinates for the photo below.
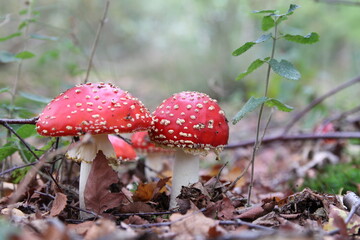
(257, 139)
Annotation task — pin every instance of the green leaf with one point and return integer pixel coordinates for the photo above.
(252, 67)
(22, 25)
(285, 69)
(7, 150)
(17, 34)
(272, 102)
(43, 37)
(308, 39)
(248, 45)
(25, 55)
(265, 11)
(267, 23)
(249, 106)
(292, 8)
(281, 19)
(3, 90)
(263, 38)
(243, 48)
(35, 98)
(7, 57)
(26, 131)
(23, 12)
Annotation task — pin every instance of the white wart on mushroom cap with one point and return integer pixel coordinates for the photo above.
(95, 108)
(192, 121)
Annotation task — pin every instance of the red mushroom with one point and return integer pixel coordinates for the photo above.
(98, 109)
(125, 153)
(193, 123)
(155, 157)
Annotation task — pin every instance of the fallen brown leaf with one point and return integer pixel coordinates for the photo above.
(194, 224)
(136, 207)
(144, 192)
(59, 204)
(98, 197)
(80, 228)
(148, 191)
(257, 211)
(135, 219)
(226, 211)
(100, 229)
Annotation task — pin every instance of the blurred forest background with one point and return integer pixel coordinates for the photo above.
(156, 48)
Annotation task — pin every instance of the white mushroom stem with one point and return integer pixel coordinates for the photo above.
(85, 169)
(154, 164)
(85, 152)
(185, 172)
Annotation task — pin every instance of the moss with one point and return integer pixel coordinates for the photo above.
(336, 178)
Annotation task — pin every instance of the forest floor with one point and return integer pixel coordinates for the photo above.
(130, 207)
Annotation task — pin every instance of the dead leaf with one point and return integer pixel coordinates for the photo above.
(98, 197)
(258, 210)
(59, 204)
(226, 211)
(148, 191)
(333, 223)
(144, 192)
(215, 232)
(341, 225)
(100, 229)
(136, 207)
(135, 219)
(193, 224)
(80, 228)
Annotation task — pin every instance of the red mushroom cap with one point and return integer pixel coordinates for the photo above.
(141, 143)
(192, 121)
(123, 150)
(96, 108)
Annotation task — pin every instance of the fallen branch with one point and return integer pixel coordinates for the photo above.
(352, 202)
(318, 100)
(144, 213)
(19, 121)
(304, 136)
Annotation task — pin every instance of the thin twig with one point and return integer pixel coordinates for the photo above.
(21, 139)
(144, 213)
(19, 121)
(101, 24)
(318, 100)
(248, 224)
(16, 168)
(342, 115)
(301, 137)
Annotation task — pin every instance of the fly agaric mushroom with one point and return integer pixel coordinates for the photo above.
(156, 157)
(98, 109)
(125, 153)
(191, 122)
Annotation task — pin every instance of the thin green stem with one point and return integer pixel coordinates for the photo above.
(257, 139)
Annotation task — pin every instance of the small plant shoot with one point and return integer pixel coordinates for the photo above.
(282, 67)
